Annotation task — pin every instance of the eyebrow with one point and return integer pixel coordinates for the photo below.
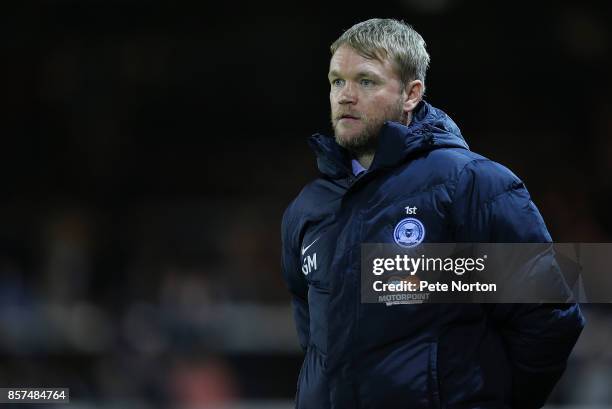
(360, 74)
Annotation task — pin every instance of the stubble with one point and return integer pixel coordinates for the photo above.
(365, 142)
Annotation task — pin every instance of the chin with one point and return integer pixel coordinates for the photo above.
(344, 134)
(344, 139)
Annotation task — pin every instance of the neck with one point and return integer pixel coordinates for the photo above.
(365, 159)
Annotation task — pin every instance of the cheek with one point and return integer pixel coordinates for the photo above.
(332, 101)
(382, 104)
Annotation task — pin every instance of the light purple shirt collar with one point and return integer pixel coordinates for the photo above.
(357, 168)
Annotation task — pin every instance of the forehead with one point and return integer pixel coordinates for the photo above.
(346, 60)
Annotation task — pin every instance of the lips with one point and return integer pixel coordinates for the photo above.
(348, 116)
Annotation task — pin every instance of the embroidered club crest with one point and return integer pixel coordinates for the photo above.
(409, 232)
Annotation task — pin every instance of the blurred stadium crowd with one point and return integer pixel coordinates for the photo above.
(150, 150)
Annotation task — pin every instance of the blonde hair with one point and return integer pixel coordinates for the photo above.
(389, 38)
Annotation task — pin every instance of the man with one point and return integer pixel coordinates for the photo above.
(395, 155)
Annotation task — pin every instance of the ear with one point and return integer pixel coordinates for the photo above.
(413, 93)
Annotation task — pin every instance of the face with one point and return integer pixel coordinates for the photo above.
(364, 94)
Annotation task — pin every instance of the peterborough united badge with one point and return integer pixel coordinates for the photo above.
(409, 232)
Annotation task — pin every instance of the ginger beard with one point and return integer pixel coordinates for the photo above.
(361, 136)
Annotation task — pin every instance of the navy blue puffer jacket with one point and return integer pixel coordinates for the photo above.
(374, 356)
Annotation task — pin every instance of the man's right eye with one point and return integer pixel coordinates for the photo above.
(337, 83)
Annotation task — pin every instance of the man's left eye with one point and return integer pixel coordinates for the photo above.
(367, 82)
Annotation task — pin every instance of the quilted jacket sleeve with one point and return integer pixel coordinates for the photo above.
(494, 206)
(294, 279)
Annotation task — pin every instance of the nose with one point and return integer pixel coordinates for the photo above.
(347, 94)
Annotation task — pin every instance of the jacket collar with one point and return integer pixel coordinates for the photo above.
(429, 129)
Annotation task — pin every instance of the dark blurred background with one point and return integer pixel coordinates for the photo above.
(150, 150)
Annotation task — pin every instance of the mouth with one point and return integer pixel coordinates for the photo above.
(348, 117)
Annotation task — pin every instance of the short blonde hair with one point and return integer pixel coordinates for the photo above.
(389, 38)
